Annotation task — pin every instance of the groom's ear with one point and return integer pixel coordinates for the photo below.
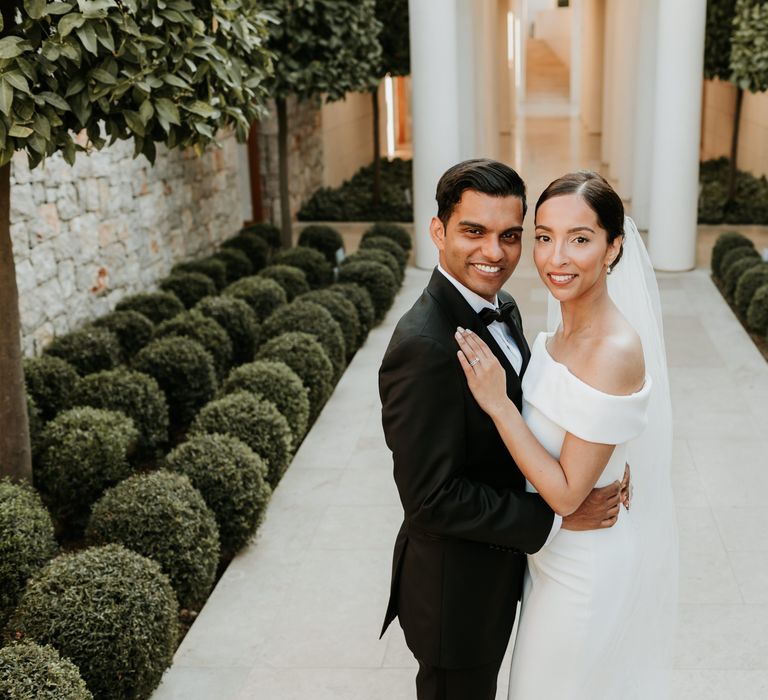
(437, 232)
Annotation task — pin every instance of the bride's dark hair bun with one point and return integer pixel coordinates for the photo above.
(594, 189)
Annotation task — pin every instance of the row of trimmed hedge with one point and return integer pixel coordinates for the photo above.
(226, 366)
(742, 276)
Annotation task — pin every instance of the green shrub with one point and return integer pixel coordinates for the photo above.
(734, 273)
(388, 246)
(361, 299)
(290, 278)
(750, 198)
(712, 199)
(256, 422)
(747, 285)
(757, 313)
(35, 425)
(29, 671)
(278, 383)
(396, 233)
(133, 330)
(162, 516)
(215, 270)
(111, 612)
(261, 294)
(317, 269)
(51, 382)
(314, 319)
(196, 326)
(184, 370)
(189, 287)
(305, 356)
(237, 263)
(343, 312)
(726, 242)
(255, 248)
(83, 451)
(156, 306)
(233, 481)
(26, 541)
(377, 279)
(269, 232)
(238, 320)
(325, 239)
(736, 254)
(134, 394)
(88, 349)
(378, 256)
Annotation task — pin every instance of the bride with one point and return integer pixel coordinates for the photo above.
(598, 612)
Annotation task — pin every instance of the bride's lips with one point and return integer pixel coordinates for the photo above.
(561, 280)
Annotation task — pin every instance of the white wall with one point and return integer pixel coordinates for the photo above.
(554, 27)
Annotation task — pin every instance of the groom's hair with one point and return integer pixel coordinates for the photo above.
(481, 175)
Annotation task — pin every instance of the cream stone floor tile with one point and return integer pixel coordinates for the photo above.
(742, 528)
(719, 685)
(361, 487)
(358, 527)
(202, 683)
(686, 481)
(397, 655)
(707, 577)
(733, 473)
(689, 344)
(751, 571)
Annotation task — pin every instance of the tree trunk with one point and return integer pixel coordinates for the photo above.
(282, 147)
(15, 450)
(376, 192)
(734, 146)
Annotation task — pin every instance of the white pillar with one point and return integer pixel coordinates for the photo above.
(484, 79)
(435, 103)
(593, 36)
(609, 44)
(677, 129)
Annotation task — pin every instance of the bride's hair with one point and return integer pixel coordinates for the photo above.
(601, 198)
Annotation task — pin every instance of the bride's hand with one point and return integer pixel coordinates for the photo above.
(486, 377)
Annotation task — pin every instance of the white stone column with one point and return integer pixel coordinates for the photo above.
(435, 103)
(593, 36)
(609, 43)
(677, 128)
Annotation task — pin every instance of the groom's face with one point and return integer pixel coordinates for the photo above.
(481, 243)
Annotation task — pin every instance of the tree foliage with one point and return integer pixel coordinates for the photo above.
(749, 46)
(394, 37)
(717, 42)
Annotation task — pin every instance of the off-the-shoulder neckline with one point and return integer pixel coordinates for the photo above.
(642, 390)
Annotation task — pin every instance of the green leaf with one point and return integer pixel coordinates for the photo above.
(167, 110)
(58, 8)
(104, 35)
(95, 6)
(103, 76)
(6, 97)
(42, 126)
(69, 152)
(87, 35)
(133, 121)
(77, 85)
(34, 8)
(176, 81)
(202, 109)
(70, 22)
(19, 131)
(55, 101)
(12, 46)
(146, 111)
(18, 81)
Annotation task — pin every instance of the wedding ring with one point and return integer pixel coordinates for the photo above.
(474, 362)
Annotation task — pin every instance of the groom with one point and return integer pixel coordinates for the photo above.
(460, 554)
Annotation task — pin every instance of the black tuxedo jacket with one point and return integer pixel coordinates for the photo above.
(459, 556)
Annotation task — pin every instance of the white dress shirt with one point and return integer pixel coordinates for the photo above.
(503, 336)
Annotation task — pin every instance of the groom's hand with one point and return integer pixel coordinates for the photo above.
(599, 510)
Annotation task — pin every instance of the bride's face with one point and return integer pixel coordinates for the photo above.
(571, 251)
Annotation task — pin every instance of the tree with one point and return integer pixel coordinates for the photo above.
(321, 47)
(167, 71)
(395, 60)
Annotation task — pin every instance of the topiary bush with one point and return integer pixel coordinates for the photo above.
(256, 422)
(214, 270)
(162, 516)
(135, 395)
(726, 242)
(35, 425)
(239, 322)
(110, 611)
(314, 319)
(189, 287)
(255, 248)
(290, 278)
(380, 256)
(29, 671)
(306, 357)
(733, 256)
(343, 312)
(205, 331)
(361, 299)
(376, 279)
(236, 261)
(325, 239)
(757, 313)
(132, 329)
(317, 269)
(398, 234)
(232, 479)
(748, 284)
(26, 542)
(261, 294)
(156, 306)
(83, 451)
(51, 382)
(89, 349)
(278, 383)
(184, 370)
(268, 232)
(388, 246)
(734, 273)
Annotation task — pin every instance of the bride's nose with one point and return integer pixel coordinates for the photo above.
(560, 254)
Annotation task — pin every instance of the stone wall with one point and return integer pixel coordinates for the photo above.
(85, 236)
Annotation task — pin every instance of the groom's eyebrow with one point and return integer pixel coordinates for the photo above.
(473, 224)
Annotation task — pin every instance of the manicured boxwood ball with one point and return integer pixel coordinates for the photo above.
(269, 232)
(261, 294)
(379, 256)
(748, 284)
(51, 382)
(725, 243)
(325, 239)
(361, 298)
(255, 247)
(734, 255)
(189, 287)
(162, 516)
(133, 330)
(89, 349)
(394, 232)
(29, 671)
(290, 278)
(35, 425)
(377, 279)
(343, 312)
(735, 272)
(237, 263)
(388, 246)
(238, 320)
(110, 611)
(156, 306)
(757, 313)
(318, 270)
(214, 270)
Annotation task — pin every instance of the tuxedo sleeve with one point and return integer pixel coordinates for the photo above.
(423, 403)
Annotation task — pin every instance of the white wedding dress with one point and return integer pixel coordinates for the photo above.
(577, 588)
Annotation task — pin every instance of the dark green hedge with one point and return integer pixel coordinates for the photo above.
(291, 278)
(51, 382)
(88, 349)
(29, 671)
(156, 306)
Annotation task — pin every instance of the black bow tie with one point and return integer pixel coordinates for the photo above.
(503, 313)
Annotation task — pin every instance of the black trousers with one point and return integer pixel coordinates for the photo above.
(477, 683)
